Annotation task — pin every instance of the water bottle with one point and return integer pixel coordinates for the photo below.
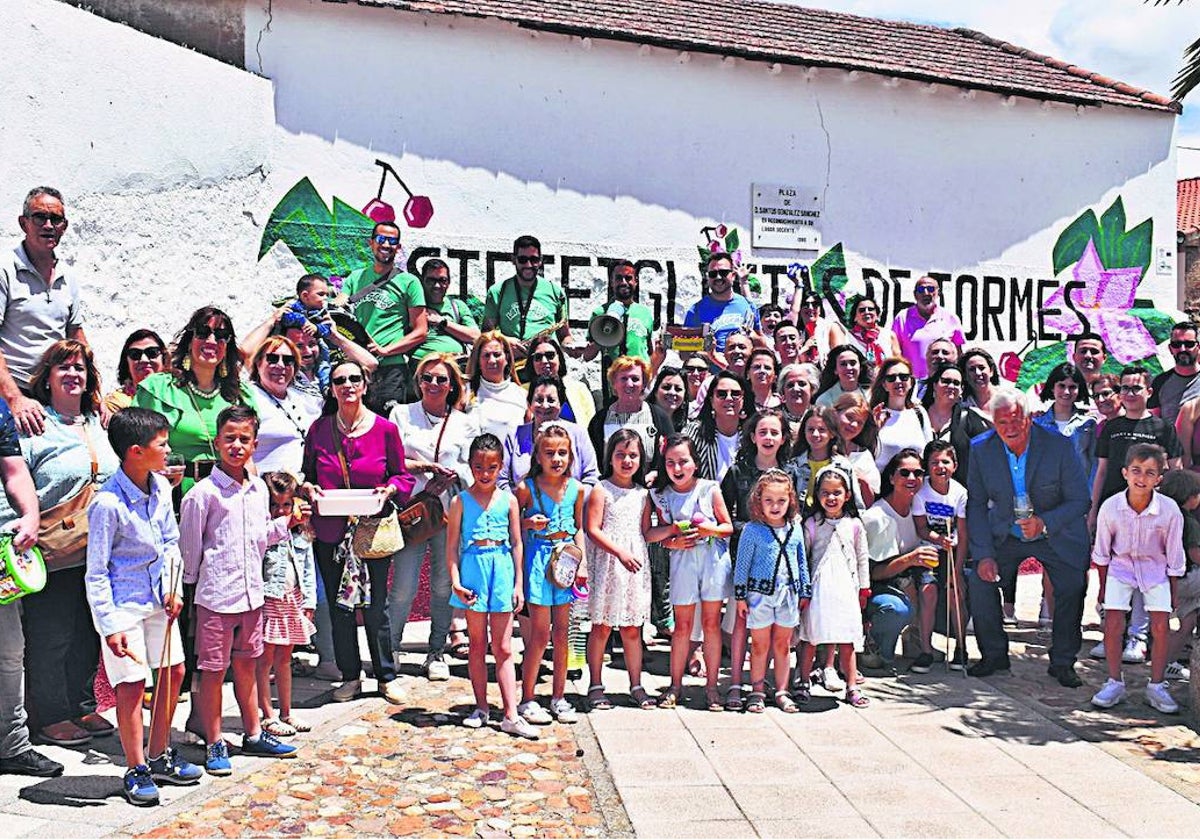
(577, 634)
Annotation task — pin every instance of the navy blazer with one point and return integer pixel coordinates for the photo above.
(1057, 487)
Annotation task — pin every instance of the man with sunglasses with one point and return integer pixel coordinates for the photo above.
(390, 304)
(723, 309)
(452, 327)
(40, 305)
(527, 304)
(926, 321)
(1171, 388)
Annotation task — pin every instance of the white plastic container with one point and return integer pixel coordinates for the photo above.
(349, 503)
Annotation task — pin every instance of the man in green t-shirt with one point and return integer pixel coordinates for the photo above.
(452, 327)
(527, 304)
(390, 304)
(637, 318)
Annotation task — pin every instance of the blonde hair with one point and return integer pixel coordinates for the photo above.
(623, 363)
(455, 398)
(773, 477)
(550, 431)
(474, 374)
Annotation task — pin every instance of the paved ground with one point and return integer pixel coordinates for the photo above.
(935, 755)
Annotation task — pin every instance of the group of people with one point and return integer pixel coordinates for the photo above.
(801, 485)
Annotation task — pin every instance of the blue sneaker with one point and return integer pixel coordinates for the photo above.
(267, 746)
(170, 769)
(139, 787)
(216, 760)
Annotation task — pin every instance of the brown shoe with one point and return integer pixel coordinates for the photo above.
(95, 724)
(64, 734)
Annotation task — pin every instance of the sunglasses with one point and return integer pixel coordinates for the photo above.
(1182, 345)
(905, 472)
(728, 394)
(926, 290)
(40, 219)
(714, 273)
(434, 379)
(381, 239)
(280, 358)
(547, 356)
(529, 260)
(135, 354)
(693, 369)
(1104, 394)
(897, 377)
(204, 332)
(351, 378)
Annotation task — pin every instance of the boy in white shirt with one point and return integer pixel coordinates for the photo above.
(940, 514)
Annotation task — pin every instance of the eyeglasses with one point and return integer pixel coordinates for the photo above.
(714, 273)
(905, 472)
(381, 239)
(135, 354)
(950, 383)
(204, 332)
(280, 359)
(1132, 389)
(1182, 345)
(1104, 394)
(438, 281)
(547, 356)
(351, 378)
(728, 394)
(523, 260)
(897, 377)
(40, 219)
(432, 379)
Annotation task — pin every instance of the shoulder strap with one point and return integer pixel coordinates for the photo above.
(378, 284)
(87, 438)
(437, 449)
(337, 443)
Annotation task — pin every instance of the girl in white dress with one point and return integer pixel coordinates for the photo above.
(616, 513)
(836, 545)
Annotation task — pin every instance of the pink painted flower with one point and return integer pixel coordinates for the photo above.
(1105, 298)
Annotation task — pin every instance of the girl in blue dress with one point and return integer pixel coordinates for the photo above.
(483, 553)
(551, 503)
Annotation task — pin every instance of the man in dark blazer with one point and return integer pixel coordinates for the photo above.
(1016, 456)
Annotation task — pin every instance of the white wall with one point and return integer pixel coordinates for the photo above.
(611, 149)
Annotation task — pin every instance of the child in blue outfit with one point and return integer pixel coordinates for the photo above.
(483, 554)
(552, 504)
(771, 583)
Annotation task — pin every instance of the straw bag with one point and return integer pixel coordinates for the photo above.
(374, 537)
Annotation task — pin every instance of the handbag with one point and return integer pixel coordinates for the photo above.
(424, 515)
(565, 557)
(373, 537)
(63, 532)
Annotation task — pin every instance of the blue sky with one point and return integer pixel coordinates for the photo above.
(1128, 40)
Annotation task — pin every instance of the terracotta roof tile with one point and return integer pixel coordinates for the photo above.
(766, 31)
(1187, 205)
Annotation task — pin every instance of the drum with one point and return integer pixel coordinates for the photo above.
(20, 574)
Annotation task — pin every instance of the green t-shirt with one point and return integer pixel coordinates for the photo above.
(547, 308)
(440, 341)
(384, 312)
(638, 327)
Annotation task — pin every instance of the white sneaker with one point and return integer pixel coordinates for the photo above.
(1098, 651)
(563, 710)
(519, 727)
(831, 680)
(436, 669)
(1178, 672)
(477, 719)
(533, 713)
(1110, 694)
(393, 692)
(1134, 652)
(1159, 698)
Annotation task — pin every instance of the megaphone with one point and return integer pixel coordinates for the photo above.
(608, 330)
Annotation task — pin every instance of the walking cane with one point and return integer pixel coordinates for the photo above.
(952, 591)
(163, 674)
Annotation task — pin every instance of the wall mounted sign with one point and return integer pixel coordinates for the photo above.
(785, 216)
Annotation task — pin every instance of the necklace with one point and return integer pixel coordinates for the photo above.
(200, 392)
(431, 419)
(349, 431)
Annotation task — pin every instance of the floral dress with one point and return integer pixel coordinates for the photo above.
(618, 597)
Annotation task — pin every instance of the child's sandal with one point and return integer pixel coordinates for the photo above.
(669, 699)
(597, 700)
(857, 699)
(802, 693)
(714, 699)
(297, 724)
(756, 705)
(785, 703)
(275, 726)
(639, 696)
(733, 699)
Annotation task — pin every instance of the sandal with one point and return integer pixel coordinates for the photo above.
(757, 703)
(714, 699)
(801, 693)
(297, 724)
(275, 726)
(669, 699)
(638, 695)
(597, 701)
(785, 703)
(460, 649)
(733, 699)
(857, 699)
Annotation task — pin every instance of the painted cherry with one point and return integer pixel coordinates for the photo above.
(418, 209)
(1010, 365)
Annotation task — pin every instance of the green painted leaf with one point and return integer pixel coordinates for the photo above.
(1038, 363)
(303, 197)
(828, 273)
(704, 252)
(732, 240)
(1072, 241)
(348, 238)
(1134, 249)
(1152, 364)
(1112, 228)
(1158, 323)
